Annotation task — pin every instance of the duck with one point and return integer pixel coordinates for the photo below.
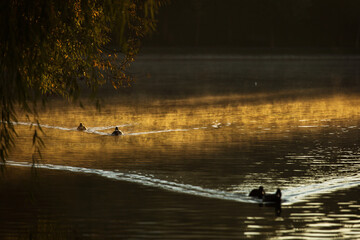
(259, 193)
(117, 132)
(273, 198)
(81, 127)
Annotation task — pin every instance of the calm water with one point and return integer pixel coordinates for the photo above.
(199, 134)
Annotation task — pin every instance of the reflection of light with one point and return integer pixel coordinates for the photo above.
(311, 224)
(251, 233)
(252, 228)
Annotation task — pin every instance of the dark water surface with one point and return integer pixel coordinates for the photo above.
(199, 134)
(72, 206)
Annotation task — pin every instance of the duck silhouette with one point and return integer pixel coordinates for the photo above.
(259, 193)
(81, 127)
(117, 132)
(273, 198)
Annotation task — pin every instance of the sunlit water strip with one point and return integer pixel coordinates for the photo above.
(97, 130)
(158, 131)
(290, 195)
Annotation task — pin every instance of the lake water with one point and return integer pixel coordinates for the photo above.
(199, 133)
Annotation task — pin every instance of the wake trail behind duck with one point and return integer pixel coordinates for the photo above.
(44, 126)
(141, 179)
(291, 195)
(98, 130)
(303, 192)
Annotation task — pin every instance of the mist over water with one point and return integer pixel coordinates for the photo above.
(198, 136)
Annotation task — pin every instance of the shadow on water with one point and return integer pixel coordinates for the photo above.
(276, 206)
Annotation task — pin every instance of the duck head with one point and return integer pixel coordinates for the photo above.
(116, 129)
(278, 193)
(261, 191)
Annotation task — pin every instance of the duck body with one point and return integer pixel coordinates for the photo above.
(273, 198)
(81, 127)
(117, 132)
(258, 193)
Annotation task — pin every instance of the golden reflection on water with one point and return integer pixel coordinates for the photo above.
(193, 123)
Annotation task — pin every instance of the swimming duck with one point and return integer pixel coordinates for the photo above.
(274, 198)
(259, 193)
(117, 132)
(81, 127)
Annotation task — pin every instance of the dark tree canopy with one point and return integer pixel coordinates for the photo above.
(49, 47)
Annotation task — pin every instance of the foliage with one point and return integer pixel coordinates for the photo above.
(51, 47)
